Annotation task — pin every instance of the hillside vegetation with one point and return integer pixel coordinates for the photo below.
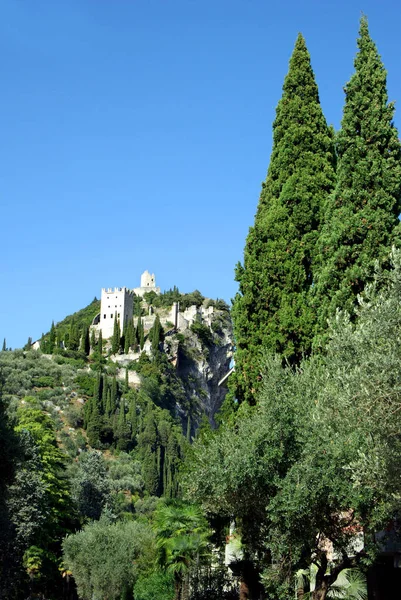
(116, 484)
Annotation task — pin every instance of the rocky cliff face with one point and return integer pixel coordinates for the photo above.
(202, 354)
(200, 349)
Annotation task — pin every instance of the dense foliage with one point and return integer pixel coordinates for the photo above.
(315, 463)
(361, 221)
(106, 557)
(271, 309)
(83, 448)
(72, 332)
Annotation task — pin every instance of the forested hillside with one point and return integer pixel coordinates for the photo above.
(90, 433)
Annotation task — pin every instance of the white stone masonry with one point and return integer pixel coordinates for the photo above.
(115, 303)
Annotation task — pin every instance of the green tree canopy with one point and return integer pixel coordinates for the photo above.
(91, 485)
(182, 536)
(106, 558)
(313, 465)
(362, 213)
(271, 309)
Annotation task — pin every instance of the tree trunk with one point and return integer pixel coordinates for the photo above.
(303, 587)
(243, 589)
(250, 587)
(185, 588)
(177, 587)
(320, 591)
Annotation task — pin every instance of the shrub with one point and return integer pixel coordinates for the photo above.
(203, 332)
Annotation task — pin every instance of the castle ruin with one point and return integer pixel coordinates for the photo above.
(118, 303)
(148, 284)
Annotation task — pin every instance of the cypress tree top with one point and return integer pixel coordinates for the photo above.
(270, 311)
(362, 214)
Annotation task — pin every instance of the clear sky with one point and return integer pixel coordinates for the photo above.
(135, 135)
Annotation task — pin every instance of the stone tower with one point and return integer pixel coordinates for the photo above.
(148, 280)
(148, 284)
(115, 303)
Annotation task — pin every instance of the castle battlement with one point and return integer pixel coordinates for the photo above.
(115, 290)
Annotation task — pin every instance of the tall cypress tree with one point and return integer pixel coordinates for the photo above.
(73, 339)
(115, 340)
(129, 337)
(121, 431)
(94, 424)
(362, 213)
(133, 419)
(155, 335)
(108, 411)
(28, 345)
(114, 394)
(85, 342)
(98, 391)
(140, 333)
(271, 309)
(147, 445)
(52, 338)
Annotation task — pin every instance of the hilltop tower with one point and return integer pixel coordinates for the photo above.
(148, 284)
(115, 303)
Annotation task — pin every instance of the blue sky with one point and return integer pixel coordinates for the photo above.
(136, 134)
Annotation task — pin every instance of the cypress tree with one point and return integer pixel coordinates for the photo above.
(59, 341)
(98, 392)
(85, 343)
(109, 410)
(133, 419)
(147, 444)
(115, 340)
(129, 337)
(66, 340)
(126, 339)
(114, 394)
(122, 433)
(73, 339)
(123, 337)
(28, 344)
(52, 338)
(100, 346)
(94, 425)
(155, 335)
(44, 344)
(4, 348)
(135, 338)
(140, 333)
(94, 410)
(105, 391)
(362, 213)
(131, 333)
(271, 309)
